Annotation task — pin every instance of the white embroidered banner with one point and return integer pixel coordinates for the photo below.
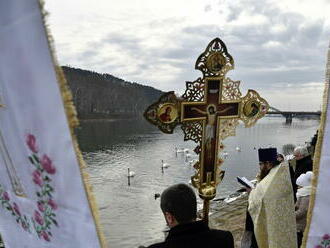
(318, 227)
(43, 201)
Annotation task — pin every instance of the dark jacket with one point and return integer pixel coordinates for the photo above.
(196, 234)
(303, 165)
(301, 212)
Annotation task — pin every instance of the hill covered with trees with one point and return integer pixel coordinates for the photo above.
(98, 95)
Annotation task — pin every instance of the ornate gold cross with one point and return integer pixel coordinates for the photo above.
(8, 162)
(208, 112)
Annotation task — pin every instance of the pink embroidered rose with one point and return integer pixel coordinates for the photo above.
(37, 179)
(41, 206)
(5, 196)
(45, 236)
(47, 164)
(38, 218)
(52, 204)
(16, 209)
(326, 236)
(31, 142)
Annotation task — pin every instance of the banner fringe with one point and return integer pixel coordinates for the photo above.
(318, 152)
(73, 122)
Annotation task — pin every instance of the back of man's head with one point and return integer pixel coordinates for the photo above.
(180, 201)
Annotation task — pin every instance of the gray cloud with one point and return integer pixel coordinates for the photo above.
(270, 47)
(128, 42)
(208, 8)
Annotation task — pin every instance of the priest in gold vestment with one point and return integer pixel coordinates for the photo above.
(271, 204)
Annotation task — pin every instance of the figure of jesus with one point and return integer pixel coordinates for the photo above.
(210, 125)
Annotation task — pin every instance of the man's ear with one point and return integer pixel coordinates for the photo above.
(170, 219)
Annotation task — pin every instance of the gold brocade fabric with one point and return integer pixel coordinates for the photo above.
(271, 207)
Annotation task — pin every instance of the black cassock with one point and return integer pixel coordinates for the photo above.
(250, 228)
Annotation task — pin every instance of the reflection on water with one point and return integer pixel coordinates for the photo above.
(96, 135)
(130, 215)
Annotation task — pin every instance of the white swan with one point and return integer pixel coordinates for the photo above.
(188, 155)
(238, 149)
(177, 150)
(130, 173)
(181, 150)
(225, 154)
(165, 165)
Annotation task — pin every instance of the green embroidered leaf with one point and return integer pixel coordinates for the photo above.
(38, 228)
(31, 160)
(54, 221)
(48, 211)
(36, 158)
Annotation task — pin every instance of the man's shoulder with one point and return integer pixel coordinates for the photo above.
(211, 238)
(223, 235)
(219, 237)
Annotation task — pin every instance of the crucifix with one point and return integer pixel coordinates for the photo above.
(208, 112)
(8, 163)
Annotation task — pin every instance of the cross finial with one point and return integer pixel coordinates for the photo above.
(215, 61)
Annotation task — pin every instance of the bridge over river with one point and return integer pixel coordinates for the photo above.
(291, 114)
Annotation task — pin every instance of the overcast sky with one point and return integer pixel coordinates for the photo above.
(279, 47)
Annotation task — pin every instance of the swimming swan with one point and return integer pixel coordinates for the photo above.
(130, 173)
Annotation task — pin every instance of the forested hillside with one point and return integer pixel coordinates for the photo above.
(98, 95)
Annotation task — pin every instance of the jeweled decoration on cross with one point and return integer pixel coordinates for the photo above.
(208, 112)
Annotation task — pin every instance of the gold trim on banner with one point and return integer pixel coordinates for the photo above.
(318, 150)
(73, 122)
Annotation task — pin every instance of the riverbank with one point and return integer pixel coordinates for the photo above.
(230, 214)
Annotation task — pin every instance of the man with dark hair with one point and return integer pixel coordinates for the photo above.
(179, 206)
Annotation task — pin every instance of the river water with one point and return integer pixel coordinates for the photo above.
(130, 215)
